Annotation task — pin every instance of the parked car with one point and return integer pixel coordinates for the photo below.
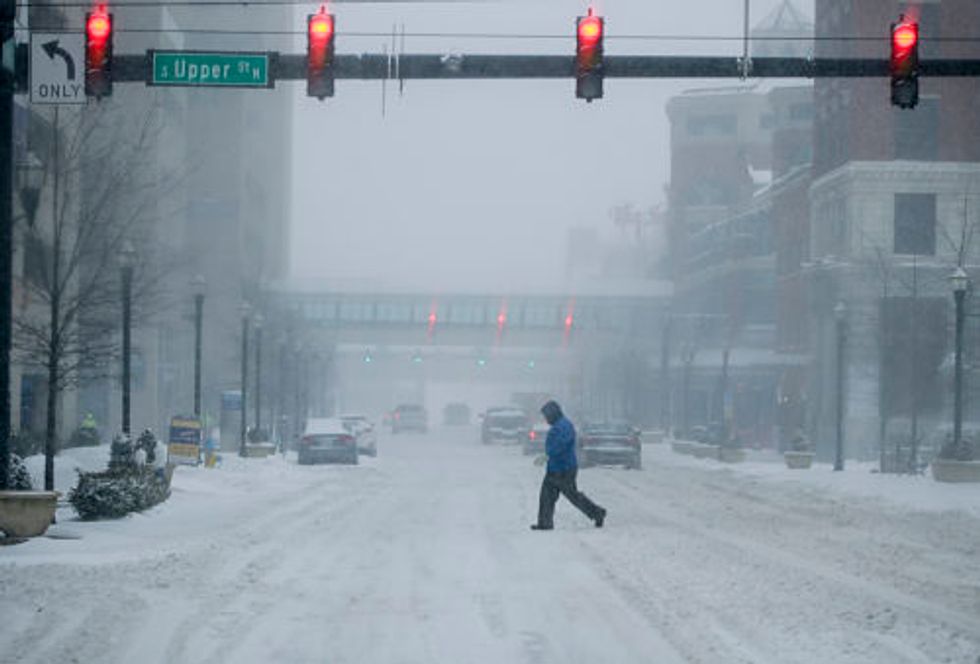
(327, 440)
(409, 417)
(456, 414)
(503, 425)
(609, 443)
(363, 430)
(534, 439)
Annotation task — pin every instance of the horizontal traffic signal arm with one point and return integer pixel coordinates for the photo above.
(137, 68)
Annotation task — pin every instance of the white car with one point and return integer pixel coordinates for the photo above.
(327, 440)
(363, 429)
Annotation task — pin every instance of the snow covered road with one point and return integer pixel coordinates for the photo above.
(424, 555)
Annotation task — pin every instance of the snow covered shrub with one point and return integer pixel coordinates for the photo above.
(967, 450)
(147, 442)
(121, 454)
(113, 494)
(800, 442)
(26, 443)
(20, 477)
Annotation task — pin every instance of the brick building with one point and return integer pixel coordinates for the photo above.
(894, 203)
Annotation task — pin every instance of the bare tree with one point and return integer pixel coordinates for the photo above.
(99, 186)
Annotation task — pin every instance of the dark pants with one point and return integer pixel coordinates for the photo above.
(562, 483)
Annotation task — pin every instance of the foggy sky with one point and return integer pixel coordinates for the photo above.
(476, 182)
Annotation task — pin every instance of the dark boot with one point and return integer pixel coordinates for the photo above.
(537, 526)
(600, 518)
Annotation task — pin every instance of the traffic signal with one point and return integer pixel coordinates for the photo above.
(320, 31)
(905, 63)
(588, 56)
(98, 53)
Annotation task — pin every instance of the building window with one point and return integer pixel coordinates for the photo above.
(917, 132)
(915, 224)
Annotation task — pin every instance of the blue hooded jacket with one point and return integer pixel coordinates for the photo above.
(560, 446)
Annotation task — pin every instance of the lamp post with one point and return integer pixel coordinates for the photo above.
(688, 354)
(840, 319)
(259, 319)
(198, 286)
(960, 281)
(245, 309)
(127, 261)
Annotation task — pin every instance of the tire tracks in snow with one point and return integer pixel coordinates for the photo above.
(676, 529)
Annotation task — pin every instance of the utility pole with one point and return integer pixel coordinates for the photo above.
(8, 11)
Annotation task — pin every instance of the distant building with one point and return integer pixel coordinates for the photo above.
(722, 360)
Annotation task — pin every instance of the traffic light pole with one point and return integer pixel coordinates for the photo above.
(288, 67)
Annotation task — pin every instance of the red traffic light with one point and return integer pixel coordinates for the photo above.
(321, 26)
(588, 56)
(905, 36)
(320, 31)
(98, 26)
(589, 30)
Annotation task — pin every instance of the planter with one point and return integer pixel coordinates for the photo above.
(652, 437)
(27, 513)
(704, 451)
(950, 470)
(798, 460)
(731, 454)
(682, 447)
(259, 450)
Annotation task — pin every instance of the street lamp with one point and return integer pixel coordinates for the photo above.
(245, 310)
(259, 319)
(127, 261)
(960, 282)
(840, 319)
(688, 354)
(198, 286)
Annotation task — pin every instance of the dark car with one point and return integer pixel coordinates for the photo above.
(327, 440)
(534, 439)
(503, 425)
(409, 417)
(609, 443)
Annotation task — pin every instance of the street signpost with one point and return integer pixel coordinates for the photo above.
(210, 69)
(185, 441)
(57, 68)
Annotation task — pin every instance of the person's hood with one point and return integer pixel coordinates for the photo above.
(552, 412)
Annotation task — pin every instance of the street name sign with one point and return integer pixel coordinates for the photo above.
(57, 68)
(207, 69)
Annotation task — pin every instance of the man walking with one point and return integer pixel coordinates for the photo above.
(562, 469)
